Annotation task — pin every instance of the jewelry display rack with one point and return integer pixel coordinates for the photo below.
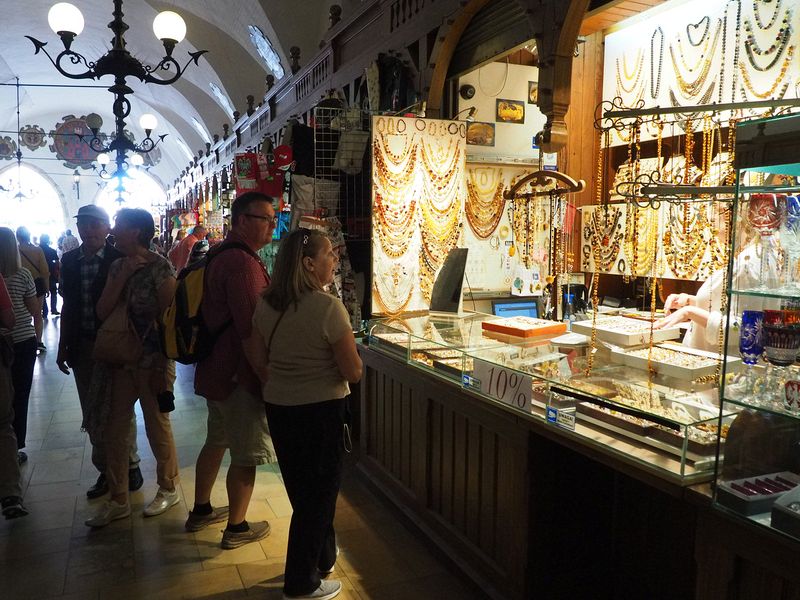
(560, 255)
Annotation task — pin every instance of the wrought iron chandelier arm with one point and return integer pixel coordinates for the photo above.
(74, 58)
(149, 143)
(167, 64)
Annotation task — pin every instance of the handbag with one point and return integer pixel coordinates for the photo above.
(117, 342)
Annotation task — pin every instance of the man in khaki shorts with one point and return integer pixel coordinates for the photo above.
(235, 278)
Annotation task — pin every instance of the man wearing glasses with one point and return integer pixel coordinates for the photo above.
(234, 280)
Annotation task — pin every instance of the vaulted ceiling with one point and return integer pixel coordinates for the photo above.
(219, 26)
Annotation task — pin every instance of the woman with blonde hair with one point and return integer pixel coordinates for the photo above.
(22, 290)
(302, 347)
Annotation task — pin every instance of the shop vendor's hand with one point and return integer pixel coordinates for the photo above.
(677, 301)
(686, 313)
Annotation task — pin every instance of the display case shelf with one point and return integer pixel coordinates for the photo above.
(772, 408)
(763, 438)
(672, 421)
(773, 293)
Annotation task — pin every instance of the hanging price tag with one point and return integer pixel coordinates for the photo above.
(505, 385)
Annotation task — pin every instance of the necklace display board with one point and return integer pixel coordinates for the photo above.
(426, 200)
(690, 53)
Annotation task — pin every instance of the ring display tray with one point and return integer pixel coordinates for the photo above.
(757, 493)
(674, 360)
(623, 331)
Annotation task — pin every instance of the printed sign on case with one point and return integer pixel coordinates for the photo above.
(506, 385)
(561, 418)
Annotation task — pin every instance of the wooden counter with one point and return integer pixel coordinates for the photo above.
(528, 510)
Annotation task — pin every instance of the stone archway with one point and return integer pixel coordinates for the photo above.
(65, 206)
(555, 25)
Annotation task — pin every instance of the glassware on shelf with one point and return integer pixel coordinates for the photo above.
(781, 343)
(751, 347)
(764, 213)
(790, 242)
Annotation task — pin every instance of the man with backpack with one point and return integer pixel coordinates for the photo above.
(234, 278)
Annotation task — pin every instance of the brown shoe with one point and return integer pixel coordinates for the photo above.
(257, 531)
(198, 522)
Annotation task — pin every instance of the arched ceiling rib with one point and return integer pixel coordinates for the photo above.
(218, 26)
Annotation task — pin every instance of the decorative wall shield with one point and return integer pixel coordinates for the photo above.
(68, 146)
(8, 148)
(32, 137)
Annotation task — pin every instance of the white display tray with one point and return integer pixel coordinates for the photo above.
(606, 331)
(671, 370)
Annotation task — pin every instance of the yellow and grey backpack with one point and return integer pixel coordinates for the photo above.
(185, 337)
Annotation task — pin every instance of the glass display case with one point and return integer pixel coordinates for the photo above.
(654, 403)
(758, 476)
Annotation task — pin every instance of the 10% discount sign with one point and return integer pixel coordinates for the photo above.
(506, 385)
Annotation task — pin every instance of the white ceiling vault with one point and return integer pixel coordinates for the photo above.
(219, 26)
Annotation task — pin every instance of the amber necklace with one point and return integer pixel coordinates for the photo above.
(748, 84)
(484, 203)
(394, 299)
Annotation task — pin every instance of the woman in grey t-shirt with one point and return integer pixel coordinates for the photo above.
(304, 351)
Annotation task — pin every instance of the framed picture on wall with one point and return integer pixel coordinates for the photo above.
(533, 92)
(480, 134)
(510, 111)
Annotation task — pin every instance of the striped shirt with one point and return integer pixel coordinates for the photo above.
(20, 286)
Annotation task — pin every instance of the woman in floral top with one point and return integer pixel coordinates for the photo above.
(146, 280)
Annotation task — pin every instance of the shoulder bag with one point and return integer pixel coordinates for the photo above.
(117, 342)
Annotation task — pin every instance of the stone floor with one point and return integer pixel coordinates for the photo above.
(52, 554)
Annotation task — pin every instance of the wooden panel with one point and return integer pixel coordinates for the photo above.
(614, 12)
(488, 498)
(473, 487)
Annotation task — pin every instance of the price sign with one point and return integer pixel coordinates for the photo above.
(503, 384)
(561, 418)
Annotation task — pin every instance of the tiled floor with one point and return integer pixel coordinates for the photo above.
(52, 554)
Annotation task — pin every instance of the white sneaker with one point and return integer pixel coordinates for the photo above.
(109, 511)
(327, 589)
(164, 499)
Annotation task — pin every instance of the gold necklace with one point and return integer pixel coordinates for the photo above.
(484, 203)
(394, 300)
(768, 94)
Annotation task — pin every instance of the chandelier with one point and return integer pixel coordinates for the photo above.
(66, 21)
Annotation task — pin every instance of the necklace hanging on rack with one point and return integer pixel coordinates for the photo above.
(706, 53)
(395, 204)
(778, 47)
(656, 77)
(772, 19)
(692, 88)
(440, 206)
(705, 20)
(641, 238)
(631, 78)
(393, 302)
(685, 239)
(688, 115)
(767, 95)
(484, 203)
(606, 236)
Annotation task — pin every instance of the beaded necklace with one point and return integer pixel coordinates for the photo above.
(772, 19)
(777, 48)
(748, 84)
(657, 77)
(484, 203)
(689, 27)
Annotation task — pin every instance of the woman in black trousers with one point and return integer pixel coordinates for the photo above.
(303, 349)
